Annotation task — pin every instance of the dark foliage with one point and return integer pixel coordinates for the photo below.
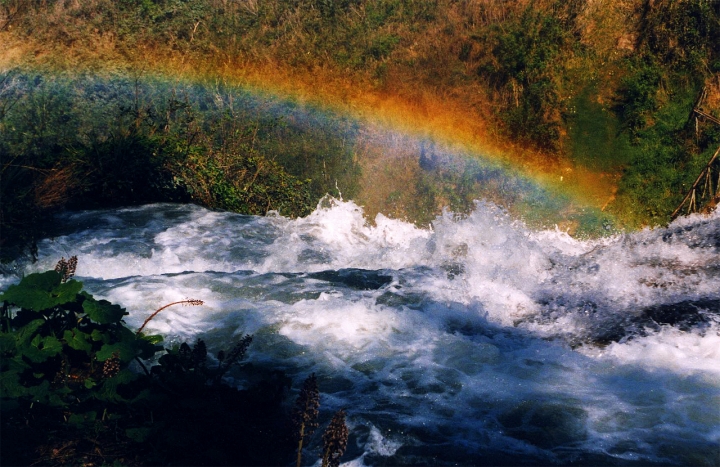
(69, 395)
(96, 142)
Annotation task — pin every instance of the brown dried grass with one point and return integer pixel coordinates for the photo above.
(55, 187)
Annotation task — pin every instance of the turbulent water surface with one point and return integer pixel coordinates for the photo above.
(476, 342)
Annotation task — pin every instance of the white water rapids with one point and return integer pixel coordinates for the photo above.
(479, 341)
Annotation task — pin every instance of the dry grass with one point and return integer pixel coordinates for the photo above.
(55, 187)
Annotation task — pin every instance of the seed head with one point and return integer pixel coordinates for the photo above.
(306, 407)
(335, 440)
(66, 268)
(111, 366)
(238, 351)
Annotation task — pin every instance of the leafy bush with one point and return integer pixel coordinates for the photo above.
(654, 102)
(250, 184)
(682, 35)
(665, 160)
(523, 66)
(66, 377)
(638, 94)
(383, 45)
(87, 142)
(65, 360)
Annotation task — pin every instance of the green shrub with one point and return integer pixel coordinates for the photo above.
(682, 35)
(664, 161)
(66, 375)
(638, 94)
(65, 358)
(99, 141)
(383, 45)
(523, 68)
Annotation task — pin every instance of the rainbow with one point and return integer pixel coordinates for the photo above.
(557, 190)
(396, 129)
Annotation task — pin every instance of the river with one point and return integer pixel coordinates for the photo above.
(478, 341)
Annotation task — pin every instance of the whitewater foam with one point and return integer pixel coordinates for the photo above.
(476, 341)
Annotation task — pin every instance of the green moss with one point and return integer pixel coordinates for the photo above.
(665, 160)
(595, 137)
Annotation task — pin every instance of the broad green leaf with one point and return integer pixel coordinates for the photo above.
(40, 392)
(8, 342)
(147, 350)
(108, 391)
(27, 332)
(98, 335)
(77, 340)
(67, 292)
(41, 348)
(41, 291)
(51, 345)
(34, 354)
(90, 383)
(76, 419)
(31, 351)
(125, 349)
(43, 394)
(153, 338)
(79, 419)
(10, 384)
(55, 400)
(44, 281)
(17, 363)
(102, 311)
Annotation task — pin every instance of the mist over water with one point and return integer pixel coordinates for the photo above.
(478, 341)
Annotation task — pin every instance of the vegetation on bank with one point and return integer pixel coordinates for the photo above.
(622, 107)
(80, 388)
(97, 141)
(604, 85)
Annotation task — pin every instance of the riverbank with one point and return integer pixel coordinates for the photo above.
(589, 100)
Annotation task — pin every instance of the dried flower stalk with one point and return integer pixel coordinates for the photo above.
(335, 440)
(306, 412)
(66, 268)
(188, 301)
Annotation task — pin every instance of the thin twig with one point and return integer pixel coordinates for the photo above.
(691, 192)
(189, 301)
